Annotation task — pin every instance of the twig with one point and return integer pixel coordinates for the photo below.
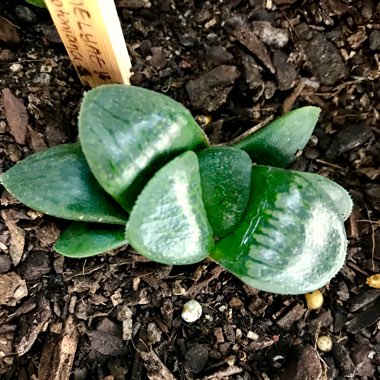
(16, 26)
(223, 373)
(329, 164)
(373, 250)
(249, 132)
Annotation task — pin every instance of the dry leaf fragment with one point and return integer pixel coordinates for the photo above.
(240, 30)
(16, 115)
(58, 354)
(156, 370)
(16, 248)
(32, 324)
(12, 289)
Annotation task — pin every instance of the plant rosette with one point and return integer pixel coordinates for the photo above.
(144, 174)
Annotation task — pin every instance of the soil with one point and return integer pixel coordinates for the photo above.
(234, 64)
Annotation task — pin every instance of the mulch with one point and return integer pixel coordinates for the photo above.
(234, 64)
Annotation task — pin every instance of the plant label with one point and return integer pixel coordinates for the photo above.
(92, 35)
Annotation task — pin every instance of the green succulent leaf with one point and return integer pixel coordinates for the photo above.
(89, 239)
(59, 182)
(226, 181)
(278, 142)
(168, 223)
(339, 196)
(37, 3)
(291, 240)
(127, 133)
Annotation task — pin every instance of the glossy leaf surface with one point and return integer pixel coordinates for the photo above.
(37, 3)
(226, 181)
(58, 182)
(339, 196)
(127, 133)
(89, 239)
(291, 240)
(278, 142)
(168, 223)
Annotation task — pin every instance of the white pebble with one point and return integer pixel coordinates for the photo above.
(252, 335)
(324, 343)
(192, 311)
(16, 67)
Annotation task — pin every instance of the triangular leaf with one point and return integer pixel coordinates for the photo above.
(127, 133)
(278, 142)
(168, 223)
(291, 240)
(89, 239)
(226, 181)
(59, 182)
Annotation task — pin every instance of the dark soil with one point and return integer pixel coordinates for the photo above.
(234, 63)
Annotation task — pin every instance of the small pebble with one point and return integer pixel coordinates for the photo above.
(16, 67)
(252, 335)
(374, 281)
(192, 311)
(314, 300)
(324, 343)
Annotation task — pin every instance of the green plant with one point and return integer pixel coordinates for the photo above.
(37, 3)
(141, 153)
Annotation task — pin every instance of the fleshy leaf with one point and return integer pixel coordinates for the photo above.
(278, 142)
(337, 193)
(168, 223)
(226, 181)
(127, 133)
(37, 3)
(291, 240)
(89, 239)
(59, 182)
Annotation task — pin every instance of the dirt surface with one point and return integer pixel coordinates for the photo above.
(234, 64)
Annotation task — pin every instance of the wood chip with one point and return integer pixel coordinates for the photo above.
(242, 32)
(260, 343)
(271, 36)
(210, 90)
(292, 316)
(124, 314)
(343, 359)
(105, 343)
(7, 332)
(134, 4)
(156, 370)
(8, 32)
(12, 289)
(304, 364)
(203, 283)
(16, 247)
(17, 116)
(35, 265)
(36, 140)
(32, 324)
(58, 353)
(364, 318)
(291, 99)
(364, 299)
(223, 373)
